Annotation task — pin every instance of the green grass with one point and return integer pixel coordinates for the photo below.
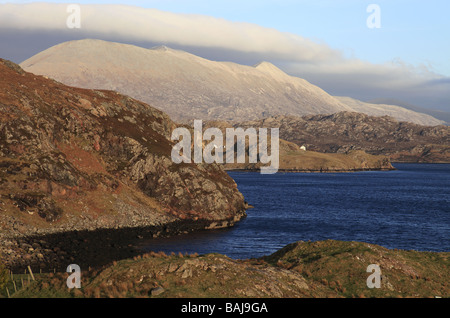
(303, 269)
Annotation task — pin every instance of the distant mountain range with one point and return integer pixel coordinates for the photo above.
(438, 114)
(188, 87)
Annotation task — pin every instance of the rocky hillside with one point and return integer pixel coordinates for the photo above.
(78, 160)
(345, 131)
(292, 158)
(186, 86)
(325, 269)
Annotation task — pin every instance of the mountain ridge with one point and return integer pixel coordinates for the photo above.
(190, 87)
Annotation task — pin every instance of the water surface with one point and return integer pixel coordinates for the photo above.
(406, 209)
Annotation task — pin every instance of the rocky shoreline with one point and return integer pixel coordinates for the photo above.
(91, 248)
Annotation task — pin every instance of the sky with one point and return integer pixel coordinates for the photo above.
(326, 42)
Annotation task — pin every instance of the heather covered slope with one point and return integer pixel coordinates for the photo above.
(186, 86)
(326, 269)
(75, 159)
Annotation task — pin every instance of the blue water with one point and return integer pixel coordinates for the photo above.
(406, 209)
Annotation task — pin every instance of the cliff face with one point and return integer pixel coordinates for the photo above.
(78, 159)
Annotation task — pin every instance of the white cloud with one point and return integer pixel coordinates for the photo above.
(134, 23)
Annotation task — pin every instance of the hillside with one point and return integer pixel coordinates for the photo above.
(438, 114)
(292, 158)
(396, 111)
(75, 160)
(326, 269)
(344, 132)
(186, 86)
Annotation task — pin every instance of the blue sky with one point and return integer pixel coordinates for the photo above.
(415, 32)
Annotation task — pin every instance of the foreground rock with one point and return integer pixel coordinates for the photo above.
(75, 160)
(302, 269)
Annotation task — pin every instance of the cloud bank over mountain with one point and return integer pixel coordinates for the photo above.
(30, 28)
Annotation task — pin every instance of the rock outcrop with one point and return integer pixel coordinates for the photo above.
(79, 160)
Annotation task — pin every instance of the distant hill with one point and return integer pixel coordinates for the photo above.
(345, 132)
(189, 87)
(438, 114)
(292, 158)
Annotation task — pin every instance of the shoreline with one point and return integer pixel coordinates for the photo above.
(60, 247)
(421, 163)
(315, 171)
(339, 170)
(57, 250)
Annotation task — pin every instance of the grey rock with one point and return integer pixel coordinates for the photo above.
(157, 291)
